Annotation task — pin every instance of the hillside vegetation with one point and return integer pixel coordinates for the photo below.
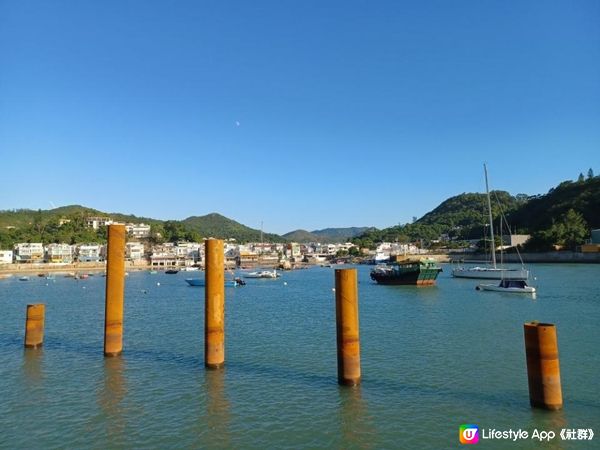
(327, 235)
(45, 226)
(564, 217)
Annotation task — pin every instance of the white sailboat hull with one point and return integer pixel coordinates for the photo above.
(512, 290)
(490, 273)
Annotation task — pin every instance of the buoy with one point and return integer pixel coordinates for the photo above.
(158, 284)
(477, 288)
(285, 283)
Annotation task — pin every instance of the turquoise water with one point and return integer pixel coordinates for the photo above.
(432, 358)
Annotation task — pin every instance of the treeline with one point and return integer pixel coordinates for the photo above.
(50, 229)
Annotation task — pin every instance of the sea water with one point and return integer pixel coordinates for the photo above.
(433, 358)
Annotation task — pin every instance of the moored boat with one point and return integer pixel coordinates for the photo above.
(510, 286)
(262, 274)
(492, 272)
(202, 282)
(419, 272)
(171, 271)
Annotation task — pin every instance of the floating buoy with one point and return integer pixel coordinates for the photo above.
(332, 289)
(285, 283)
(158, 284)
(477, 288)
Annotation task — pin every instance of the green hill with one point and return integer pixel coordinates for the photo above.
(218, 226)
(564, 215)
(302, 236)
(25, 225)
(326, 235)
(541, 211)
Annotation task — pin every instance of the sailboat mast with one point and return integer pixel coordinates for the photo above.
(487, 191)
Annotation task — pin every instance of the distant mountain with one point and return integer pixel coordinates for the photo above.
(327, 235)
(301, 236)
(218, 226)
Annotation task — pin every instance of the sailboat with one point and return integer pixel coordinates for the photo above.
(494, 272)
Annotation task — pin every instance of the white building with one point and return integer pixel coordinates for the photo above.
(188, 252)
(97, 222)
(134, 251)
(6, 256)
(89, 253)
(59, 253)
(29, 252)
(138, 230)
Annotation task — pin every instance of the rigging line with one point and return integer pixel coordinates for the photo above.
(503, 217)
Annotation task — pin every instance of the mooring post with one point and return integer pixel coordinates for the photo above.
(115, 291)
(34, 325)
(543, 368)
(214, 305)
(346, 317)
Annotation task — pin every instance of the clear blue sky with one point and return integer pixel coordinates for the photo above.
(298, 114)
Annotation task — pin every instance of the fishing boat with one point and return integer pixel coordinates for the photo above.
(262, 274)
(171, 271)
(494, 272)
(202, 282)
(407, 271)
(510, 286)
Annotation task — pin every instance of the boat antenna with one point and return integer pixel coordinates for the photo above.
(487, 191)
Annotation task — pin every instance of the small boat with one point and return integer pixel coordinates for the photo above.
(262, 274)
(419, 272)
(202, 282)
(153, 272)
(190, 269)
(24, 278)
(171, 271)
(511, 286)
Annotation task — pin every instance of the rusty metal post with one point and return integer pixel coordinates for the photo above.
(214, 305)
(115, 291)
(34, 325)
(346, 317)
(543, 368)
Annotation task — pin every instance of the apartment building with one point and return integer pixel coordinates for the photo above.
(27, 252)
(89, 253)
(59, 253)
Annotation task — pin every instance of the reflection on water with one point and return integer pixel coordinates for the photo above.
(217, 416)
(110, 399)
(544, 420)
(32, 366)
(356, 425)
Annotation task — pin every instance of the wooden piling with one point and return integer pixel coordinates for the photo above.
(543, 368)
(346, 317)
(34, 325)
(214, 305)
(115, 291)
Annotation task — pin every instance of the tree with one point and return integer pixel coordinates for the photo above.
(581, 179)
(590, 174)
(574, 229)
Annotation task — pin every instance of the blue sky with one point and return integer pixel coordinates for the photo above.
(298, 114)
